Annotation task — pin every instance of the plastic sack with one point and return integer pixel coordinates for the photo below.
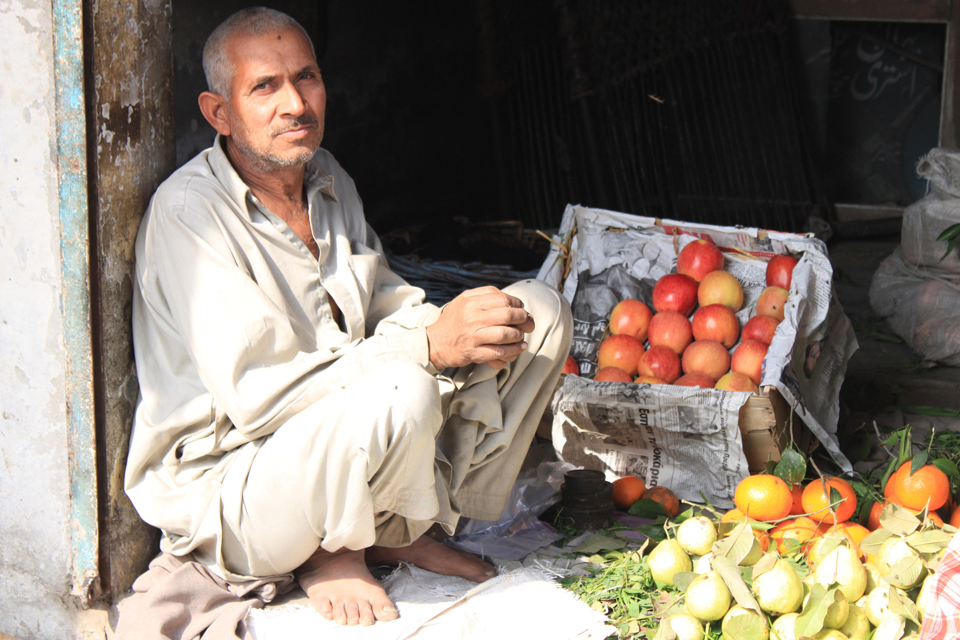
(519, 531)
(921, 307)
(926, 219)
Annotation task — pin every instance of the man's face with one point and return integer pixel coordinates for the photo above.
(277, 101)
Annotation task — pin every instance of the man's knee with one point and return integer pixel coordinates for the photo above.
(550, 310)
(410, 392)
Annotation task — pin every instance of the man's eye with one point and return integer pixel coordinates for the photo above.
(261, 86)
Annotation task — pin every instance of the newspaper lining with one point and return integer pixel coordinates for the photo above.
(689, 439)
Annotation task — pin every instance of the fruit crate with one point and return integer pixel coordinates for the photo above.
(696, 441)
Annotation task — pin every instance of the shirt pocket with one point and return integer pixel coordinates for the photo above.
(364, 268)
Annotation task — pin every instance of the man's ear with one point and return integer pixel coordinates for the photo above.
(213, 106)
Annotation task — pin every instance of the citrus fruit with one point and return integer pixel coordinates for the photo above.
(627, 490)
(873, 520)
(816, 500)
(928, 487)
(763, 497)
(955, 518)
(734, 515)
(797, 508)
(855, 532)
(935, 518)
(800, 530)
(669, 500)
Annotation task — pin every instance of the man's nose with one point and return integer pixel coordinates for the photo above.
(291, 102)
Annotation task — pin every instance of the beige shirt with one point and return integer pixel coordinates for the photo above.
(233, 331)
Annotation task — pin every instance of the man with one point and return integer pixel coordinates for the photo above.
(302, 411)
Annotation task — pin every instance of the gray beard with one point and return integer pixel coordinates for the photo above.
(266, 162)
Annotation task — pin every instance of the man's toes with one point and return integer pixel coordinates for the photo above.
(324, 607)
(384, 609)
(353, 612)
(366, 614)
(339, 613)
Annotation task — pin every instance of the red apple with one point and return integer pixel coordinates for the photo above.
(670, 329)
(716, 322)
(612, 374)
(708, 357)
(748, 359)
(780, 271)
(660, 362)
(699, 258)
(734, 381)
(630, 317)
(695, 380)
(771, 302)
(649, 380)
(571, 366)
(720, 287)
(675, 292)
(620, 351)
(761, 328)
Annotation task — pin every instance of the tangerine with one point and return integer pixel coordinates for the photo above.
(797, 492)
(928, 487)
(763, 497)
(856, 533)
(800, 530)
(816, 500)
(734, 515)
(955, 518)
(627, 490)
(873, 520)
(669, 500)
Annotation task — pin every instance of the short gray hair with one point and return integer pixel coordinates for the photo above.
(252, 21)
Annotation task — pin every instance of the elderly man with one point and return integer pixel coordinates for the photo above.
(302, 410)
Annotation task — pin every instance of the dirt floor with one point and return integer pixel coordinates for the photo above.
(881, 374)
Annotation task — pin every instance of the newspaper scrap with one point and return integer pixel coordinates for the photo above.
(613, 256)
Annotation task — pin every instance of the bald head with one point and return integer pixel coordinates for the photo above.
(252, 21)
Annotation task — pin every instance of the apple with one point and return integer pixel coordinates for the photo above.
(649, 380)
(771, 302)
(708, 357)
(675, 292)
(620, 351)
(612, 374)
(780, 271)
(761, 328)
(748, 359)
(701, 380)
(660, 362)
(630, 317)
(670, 329)
(571, 366)
(720, 287)
(734, 381)
(716, 322)
(699, 258)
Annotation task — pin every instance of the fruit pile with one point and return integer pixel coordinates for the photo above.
(691, 347)
(789, 562)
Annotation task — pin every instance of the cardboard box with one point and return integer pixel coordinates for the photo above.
(765, 424)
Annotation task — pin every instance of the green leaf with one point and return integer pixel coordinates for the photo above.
(792, 466)
(898, 520)
(871, 544)
(947, 466)
(684, 515)
(893, 440)
(765, 564)
(929, 541)
(835, 498)
(905, 573)
(596, 542)
(737, 545)
(747, 627)
(810, 621)
(949, 233)
(646, 508)
(903, 606)
(918, 461)
(738, 588)
(683, 579)
(768, 469)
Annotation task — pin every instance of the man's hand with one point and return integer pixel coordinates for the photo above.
(479, 325)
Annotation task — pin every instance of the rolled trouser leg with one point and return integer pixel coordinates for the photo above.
(493, 415)
(319, 480)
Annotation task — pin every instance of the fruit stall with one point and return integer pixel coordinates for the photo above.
(706, 366)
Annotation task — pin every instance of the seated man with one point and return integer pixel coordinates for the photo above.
(302, 410)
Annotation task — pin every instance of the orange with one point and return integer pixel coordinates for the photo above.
(669, 500)
(734, 515)
(797, 508)
(888, 488)
(763, 497)
(928, 487)
(856, 533)
(955, 518)
(800, 530)
(816, 501)
(627, 490)
(935, 519)
(873, 520)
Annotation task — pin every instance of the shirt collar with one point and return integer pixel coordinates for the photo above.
(316, 176)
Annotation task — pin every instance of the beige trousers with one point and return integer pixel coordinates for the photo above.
(381, 460)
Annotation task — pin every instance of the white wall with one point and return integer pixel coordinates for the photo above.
(34, 507)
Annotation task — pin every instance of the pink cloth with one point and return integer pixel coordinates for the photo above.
(181, 599)
(941, 620)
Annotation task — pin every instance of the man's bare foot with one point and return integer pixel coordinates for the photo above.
(431, 555)
(341, 588)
